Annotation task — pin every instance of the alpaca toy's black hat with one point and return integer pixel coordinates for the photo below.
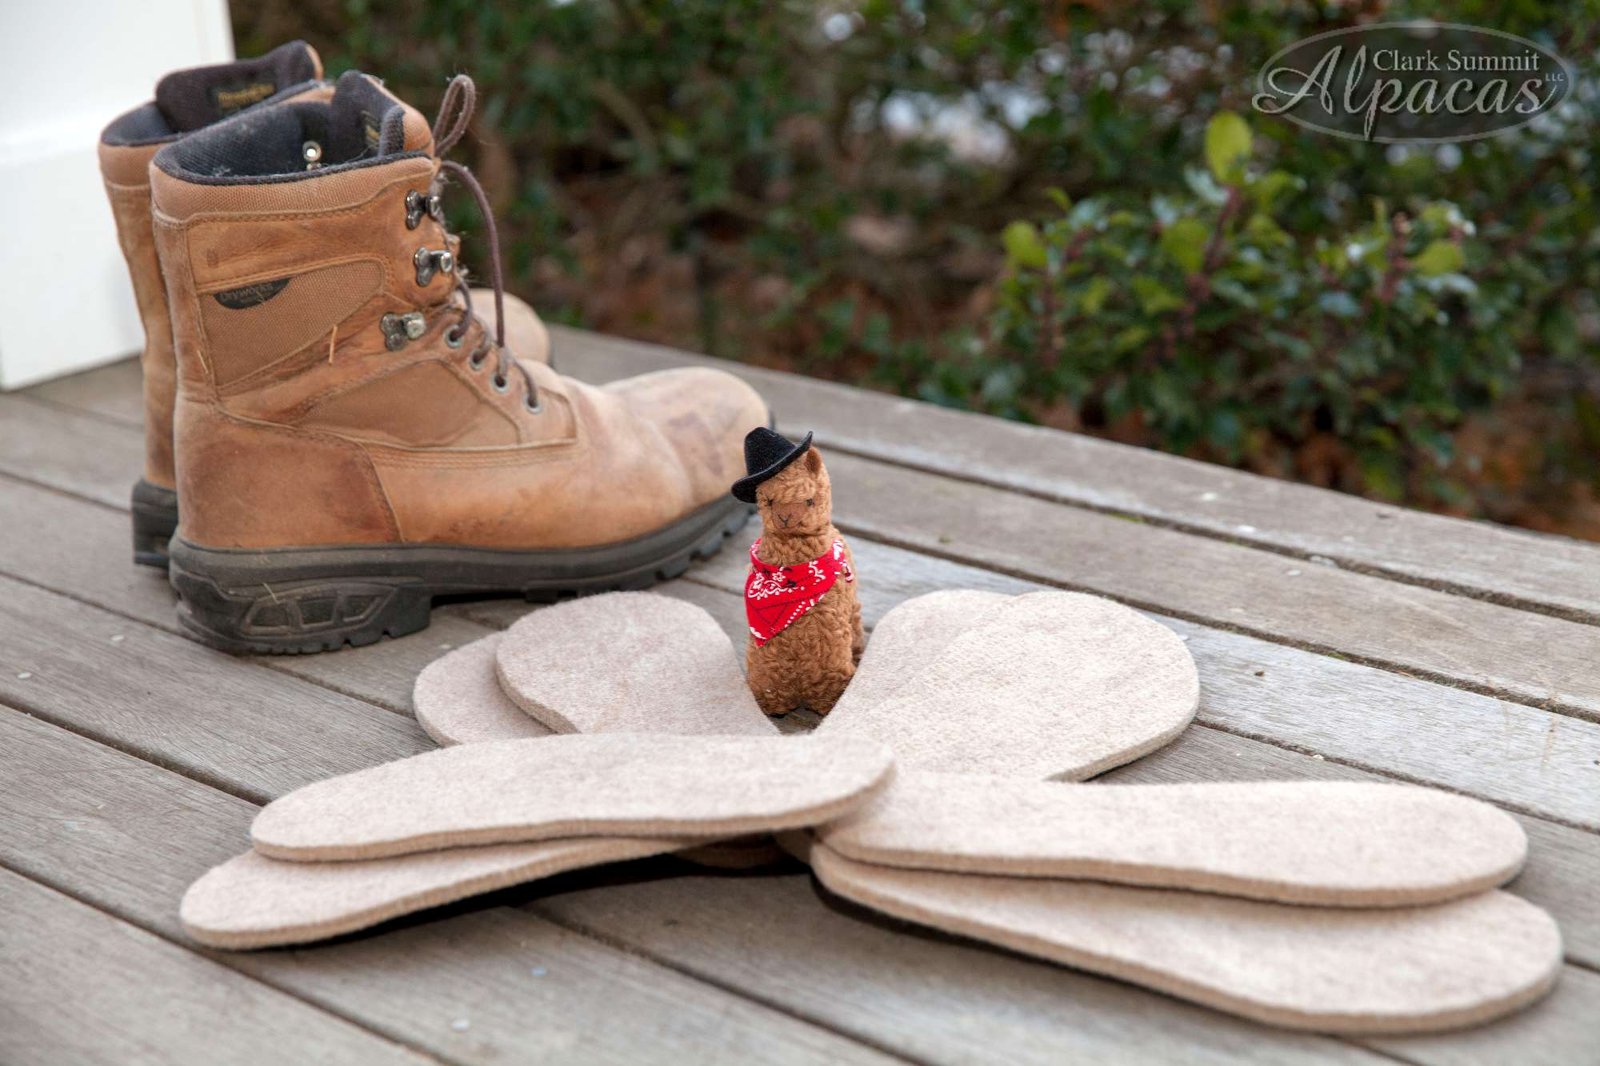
(765, 454)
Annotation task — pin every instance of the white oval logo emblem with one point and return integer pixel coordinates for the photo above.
(1413, 82)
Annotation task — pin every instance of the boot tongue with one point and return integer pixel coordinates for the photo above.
(386, 125)
(197, 97)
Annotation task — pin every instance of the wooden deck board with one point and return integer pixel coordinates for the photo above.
(104, 820)
(129, 837)
(1535, 659)
(1544, 764)
(200, 734)
(79, 986)
(1497, 563)
(1566, 861)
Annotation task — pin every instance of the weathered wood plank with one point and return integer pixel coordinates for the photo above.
(79, 986)
(178, 704)
(1531, 658)
(1561, 861)
(129, 837)
(114, 391)
(1534, 659)
(1428, 733)
(938, 998)
(1519, 756)
(1554, 574)
(1560, 1031)
(78, 453)
(1524, 757)
(349, 747)
(1197, 732)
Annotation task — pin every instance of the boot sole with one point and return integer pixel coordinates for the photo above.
(292, 601)
(155, 519)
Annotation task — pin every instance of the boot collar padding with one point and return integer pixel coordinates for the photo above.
(199, 96)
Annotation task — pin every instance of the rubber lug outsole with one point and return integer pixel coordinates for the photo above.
(294, 601)
(155, 520)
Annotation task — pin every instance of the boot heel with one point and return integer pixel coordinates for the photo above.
(155, 519)
(250, 602)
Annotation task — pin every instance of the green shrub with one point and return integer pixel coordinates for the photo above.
(1198, 321)
(771, 180)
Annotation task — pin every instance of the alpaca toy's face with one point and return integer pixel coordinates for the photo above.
(798, 500)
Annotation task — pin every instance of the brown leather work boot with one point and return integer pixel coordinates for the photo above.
(352, 441)
(188, 100)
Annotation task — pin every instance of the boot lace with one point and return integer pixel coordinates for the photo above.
(455, 113)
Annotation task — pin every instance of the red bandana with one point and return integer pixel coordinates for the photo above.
(776, 596)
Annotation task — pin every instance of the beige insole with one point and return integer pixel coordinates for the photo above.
(255, 902)
(1045, 685)
(1332, 843)
(910, 635)
(628, 662)
(1405, 969)
(614, 784)
(1050, 684)
(458, 698)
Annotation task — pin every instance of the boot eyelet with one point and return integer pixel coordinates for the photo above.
(430, 262)
(418, 205)
(500, 384)
(399, 330)
(531, 405)
(454, 337)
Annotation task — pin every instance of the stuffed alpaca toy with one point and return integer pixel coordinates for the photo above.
(800, 597)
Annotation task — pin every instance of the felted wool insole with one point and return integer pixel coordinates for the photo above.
(458, 698)
(910, 635)
(1045, 685)
(510, 791)
(255, 902)
(1404, 969)
(1342, 844)
(628, 662)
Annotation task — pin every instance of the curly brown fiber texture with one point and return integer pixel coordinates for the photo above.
(811, 661)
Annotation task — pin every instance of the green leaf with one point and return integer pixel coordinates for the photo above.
(1154, 297)
(1185, 243)
(1439, 257)
(1227, 146)
(1272, 185)
(1095, 294)
(1128, 339)
(1024, 247)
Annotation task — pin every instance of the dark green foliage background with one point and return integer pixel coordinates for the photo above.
(1416, 324)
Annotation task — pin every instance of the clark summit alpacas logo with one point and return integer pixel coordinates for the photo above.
(1413, 82)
